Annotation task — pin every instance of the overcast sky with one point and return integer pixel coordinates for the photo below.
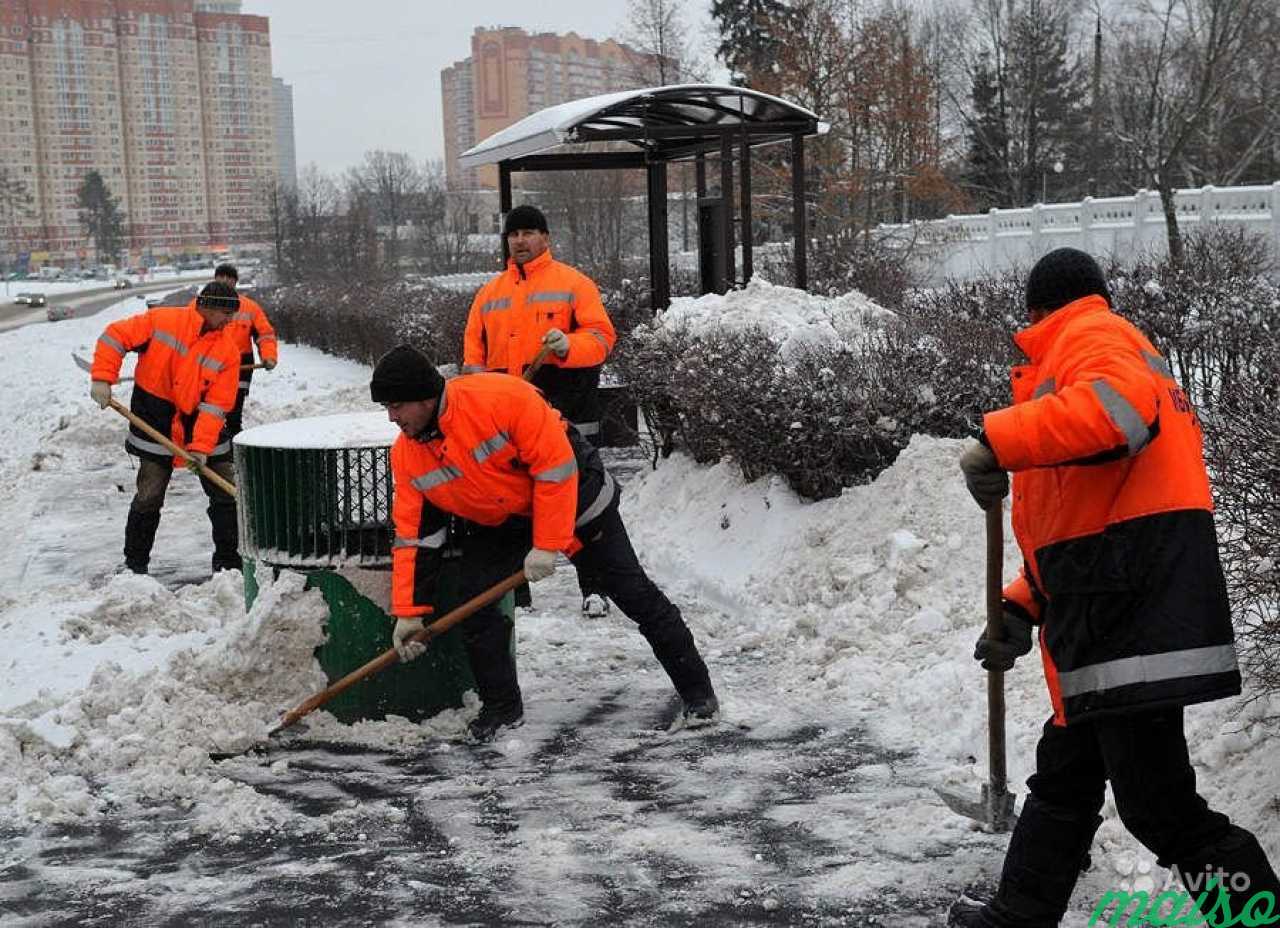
(366, 74)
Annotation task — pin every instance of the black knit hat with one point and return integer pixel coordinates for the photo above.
(524, 217)
(403, 375)
(1064, 275)
(217, 295)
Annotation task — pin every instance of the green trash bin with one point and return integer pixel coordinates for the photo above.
(315, 497)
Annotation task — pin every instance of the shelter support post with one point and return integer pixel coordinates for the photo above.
(659, 261)
(799, 220)
(726, 197)
(744, 179)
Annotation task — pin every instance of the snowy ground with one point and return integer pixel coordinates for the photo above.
(53, 287)
(838, 634)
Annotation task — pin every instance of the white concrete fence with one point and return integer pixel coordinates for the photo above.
(968, 246)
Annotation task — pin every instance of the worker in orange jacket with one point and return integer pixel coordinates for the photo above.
(489, 449)
(185, 387)
(249, 326)
(1113, 512)
(537, 303)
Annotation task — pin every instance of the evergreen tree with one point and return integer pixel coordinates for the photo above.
(988, 137)
(101, 217)
(752, 33)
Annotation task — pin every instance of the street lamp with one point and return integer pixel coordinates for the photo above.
(1044, 180)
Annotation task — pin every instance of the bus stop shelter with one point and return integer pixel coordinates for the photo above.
(651, 128)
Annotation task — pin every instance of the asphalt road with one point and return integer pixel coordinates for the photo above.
(84, 303)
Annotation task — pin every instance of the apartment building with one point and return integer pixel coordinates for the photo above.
(511, 74)
(169, 100)
(286, 152)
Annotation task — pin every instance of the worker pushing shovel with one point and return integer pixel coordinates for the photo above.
(1114, 517)
(187, 378)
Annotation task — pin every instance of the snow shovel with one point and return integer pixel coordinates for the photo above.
(389, 657)
(206, 471)
(536, 362)
(86, 366)
(993, 809)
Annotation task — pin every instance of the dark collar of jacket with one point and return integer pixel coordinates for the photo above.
(530, 267)
(1036, 340)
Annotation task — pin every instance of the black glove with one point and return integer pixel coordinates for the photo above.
(1000, 655)
(988, 482)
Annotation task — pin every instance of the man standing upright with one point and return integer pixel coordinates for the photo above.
(1113, 512)
(249, 325)
(536, 303)
(184, 387)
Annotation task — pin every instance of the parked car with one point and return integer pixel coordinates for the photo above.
(30, 299)
(121, 283)
(60, 312)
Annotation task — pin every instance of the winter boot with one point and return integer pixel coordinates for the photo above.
(1237, 855)
(225, 532)
(1047, 852)
(595, 606)
(139, 536)
(701, 708)
(486, 726)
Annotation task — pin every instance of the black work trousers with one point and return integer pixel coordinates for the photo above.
(492, 554)
(1144, 756)
(148, 500)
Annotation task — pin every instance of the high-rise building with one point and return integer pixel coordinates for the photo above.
(511, 74)
(169, 100)
(286, 154)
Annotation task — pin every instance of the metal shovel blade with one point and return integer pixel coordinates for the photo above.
(993, 810)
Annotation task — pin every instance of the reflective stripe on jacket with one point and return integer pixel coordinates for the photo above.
(250, 324)
(1113, 512)
(512, 312)
(185, 381)
(499, 450)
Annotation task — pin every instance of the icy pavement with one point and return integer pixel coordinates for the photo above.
(589, 813)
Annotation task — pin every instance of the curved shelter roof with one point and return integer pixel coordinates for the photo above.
(666, 122)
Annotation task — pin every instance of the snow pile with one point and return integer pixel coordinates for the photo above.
(793, 319)
(145, 733)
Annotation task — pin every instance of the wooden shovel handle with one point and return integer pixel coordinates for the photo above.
(212, 475)
(995, 631)
(387, 658)
(536, 362)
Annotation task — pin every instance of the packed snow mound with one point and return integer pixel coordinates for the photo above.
(145, 733)
(793, 319)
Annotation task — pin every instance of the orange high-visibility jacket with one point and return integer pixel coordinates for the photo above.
(250, 324)
(511, 314)
(499, 450)
(185, 382)
(1113, 512)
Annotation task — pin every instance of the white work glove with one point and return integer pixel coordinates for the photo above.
(408, 650)
(197, 460)
(557, 341)
(269, 364)
(100, 392)
(539, 564)
(988, 482)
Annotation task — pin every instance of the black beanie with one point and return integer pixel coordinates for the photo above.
(403, 375)
(524, 217)
(217, 295)
(1064, 275)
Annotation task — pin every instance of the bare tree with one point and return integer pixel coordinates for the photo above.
(1173, 65)
(389, 181)
(656, 29)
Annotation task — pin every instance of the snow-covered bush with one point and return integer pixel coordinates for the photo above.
(824, 392)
